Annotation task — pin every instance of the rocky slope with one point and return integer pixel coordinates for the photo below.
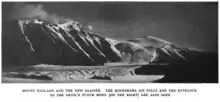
(34, 42)
(28, 42)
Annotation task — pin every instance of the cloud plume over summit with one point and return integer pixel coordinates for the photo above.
(30, 11)
(189, 24)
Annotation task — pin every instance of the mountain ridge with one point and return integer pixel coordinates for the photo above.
(73, 44)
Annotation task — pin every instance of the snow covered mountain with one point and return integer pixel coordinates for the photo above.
(67, 43)
(27, 42)
(35, 42)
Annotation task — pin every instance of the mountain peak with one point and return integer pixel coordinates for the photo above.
(67, 43)
(32, 21)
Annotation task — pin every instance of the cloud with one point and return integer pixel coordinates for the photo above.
(28, 11)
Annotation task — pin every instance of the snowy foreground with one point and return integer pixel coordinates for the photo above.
(110, 73)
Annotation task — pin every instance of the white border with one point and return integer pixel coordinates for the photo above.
(98, 0)
(44, 96)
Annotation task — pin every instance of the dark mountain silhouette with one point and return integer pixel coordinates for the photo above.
(183, 65)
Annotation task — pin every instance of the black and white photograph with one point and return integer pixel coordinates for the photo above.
(109, 42)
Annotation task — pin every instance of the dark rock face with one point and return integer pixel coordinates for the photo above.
(15, 50)
(34, 42)
(201, 68)
(171, 54)
(183, 65)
